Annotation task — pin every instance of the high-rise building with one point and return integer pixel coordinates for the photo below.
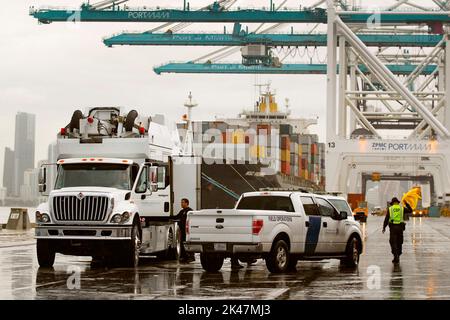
(24, 146)
(8, 171)
(29, 190)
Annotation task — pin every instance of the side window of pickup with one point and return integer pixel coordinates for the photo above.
(326, 209)
(310, 206)
(275, 203)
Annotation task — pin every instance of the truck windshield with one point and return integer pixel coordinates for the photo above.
(266, 203)
(94, 175)
(362, 204)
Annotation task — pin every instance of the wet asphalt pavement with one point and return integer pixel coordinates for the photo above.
(423, 273)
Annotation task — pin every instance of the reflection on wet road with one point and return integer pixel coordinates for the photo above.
(422, 274)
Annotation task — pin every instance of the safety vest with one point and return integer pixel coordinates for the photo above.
(396, 214)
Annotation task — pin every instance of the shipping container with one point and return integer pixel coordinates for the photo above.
(285, 129)
(294, 138)
(224, 137)
(295, 173)
(263, 129)
(354, 198)
(285, 143)
(285, 155)
(285, 168)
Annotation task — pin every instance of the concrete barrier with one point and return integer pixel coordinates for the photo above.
(18, 219)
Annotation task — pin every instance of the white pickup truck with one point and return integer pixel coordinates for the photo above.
(280, 227)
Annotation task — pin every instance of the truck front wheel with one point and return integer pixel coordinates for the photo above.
(45, 253)
(211, 262)
(352, 253)
(278, 259)
(130, 257)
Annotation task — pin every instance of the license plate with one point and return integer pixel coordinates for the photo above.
(220, 246)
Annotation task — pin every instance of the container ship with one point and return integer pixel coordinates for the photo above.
(263, 148)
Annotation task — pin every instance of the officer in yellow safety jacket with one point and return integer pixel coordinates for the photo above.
(395, 218)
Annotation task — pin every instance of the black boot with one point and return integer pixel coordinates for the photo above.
(396, 259)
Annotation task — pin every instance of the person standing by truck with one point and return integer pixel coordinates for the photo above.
(182, 216)
(396, 221)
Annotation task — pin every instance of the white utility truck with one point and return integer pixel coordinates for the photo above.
(280, 227)
(109, 189)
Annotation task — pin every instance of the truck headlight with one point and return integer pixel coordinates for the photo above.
(42, 217)
(120, 218)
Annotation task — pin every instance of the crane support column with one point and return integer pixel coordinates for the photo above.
(446, 112)
(331, 72)
(342, 88)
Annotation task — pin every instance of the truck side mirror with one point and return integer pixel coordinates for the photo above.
(42, 188)
(42, 179)
(343, 215)
(42, 175)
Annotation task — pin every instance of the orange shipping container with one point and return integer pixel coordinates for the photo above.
(285, 143)
(354, 199)
(285, 168)
(314, 149)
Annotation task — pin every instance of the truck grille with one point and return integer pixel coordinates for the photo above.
(89, 208)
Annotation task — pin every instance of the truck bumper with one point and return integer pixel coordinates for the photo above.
(229, 249)
(63, 232)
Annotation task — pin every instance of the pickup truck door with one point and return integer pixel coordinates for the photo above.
(332, 227)
(314, 235)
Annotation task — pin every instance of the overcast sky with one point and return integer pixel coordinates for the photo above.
(51, 70)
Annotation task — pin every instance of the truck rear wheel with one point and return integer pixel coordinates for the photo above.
(45, 253)
(278, 259)
(130, 257)
(174, 250)
(211, 262)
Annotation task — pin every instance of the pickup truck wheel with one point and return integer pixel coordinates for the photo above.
(352, 253)
(130, 256)
(45, 253)
(278, 258)
(211, 262)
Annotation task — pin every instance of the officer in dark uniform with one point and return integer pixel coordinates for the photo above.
(182, 216)
(395, 218)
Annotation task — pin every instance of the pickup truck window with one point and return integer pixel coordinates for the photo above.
(326, 209)
(310, 207)
(341, 205)
(266, 203)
